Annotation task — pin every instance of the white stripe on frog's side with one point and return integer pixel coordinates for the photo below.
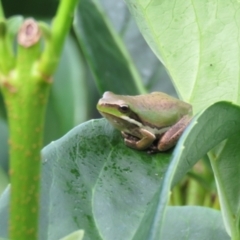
(131, 120)
(148, 128)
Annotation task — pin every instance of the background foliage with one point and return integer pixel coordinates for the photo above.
(108, 189)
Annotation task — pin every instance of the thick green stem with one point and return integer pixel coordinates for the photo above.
(60, 28)
(25, 95)
(26, 126)
(25, 87)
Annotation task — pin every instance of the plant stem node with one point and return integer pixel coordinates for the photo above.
(29, 33)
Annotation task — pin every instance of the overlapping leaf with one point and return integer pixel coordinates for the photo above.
(198, 42)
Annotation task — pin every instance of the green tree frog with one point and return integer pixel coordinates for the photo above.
(152, 122)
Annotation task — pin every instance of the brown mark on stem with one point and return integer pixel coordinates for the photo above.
(29, 33)
(9, 87)
(47, 79)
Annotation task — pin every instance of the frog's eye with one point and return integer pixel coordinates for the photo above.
(123, 108)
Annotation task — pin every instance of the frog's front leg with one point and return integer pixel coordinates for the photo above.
(144, 142)
(170, 138)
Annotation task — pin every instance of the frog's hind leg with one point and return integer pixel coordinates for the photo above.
(170, 138)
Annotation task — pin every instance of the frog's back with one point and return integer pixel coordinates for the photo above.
(159, 109)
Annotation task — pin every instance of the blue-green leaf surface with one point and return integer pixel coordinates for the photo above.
(92, 181)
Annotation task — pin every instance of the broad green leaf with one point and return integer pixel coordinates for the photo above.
(92, 181)
(198, 42)
(95, 186)
(193, 223)
(205, 131)
(105, 52)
